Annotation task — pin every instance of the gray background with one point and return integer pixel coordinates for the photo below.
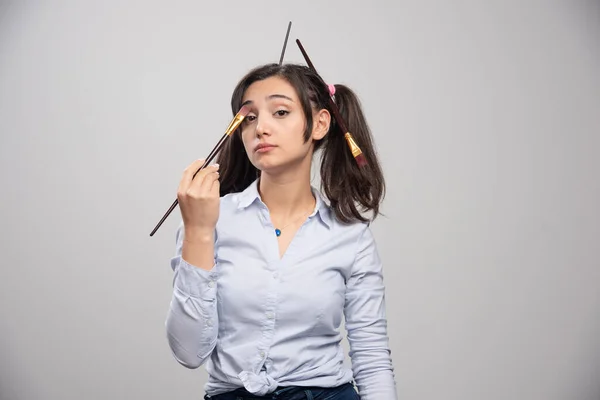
(487, 120)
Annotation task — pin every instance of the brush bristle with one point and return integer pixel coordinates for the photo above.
(244, 111)
(361, 160)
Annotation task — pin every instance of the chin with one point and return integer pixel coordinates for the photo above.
(271, 166)
(268, 167)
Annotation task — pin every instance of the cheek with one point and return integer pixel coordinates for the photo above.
(245, 137)
(294, 132)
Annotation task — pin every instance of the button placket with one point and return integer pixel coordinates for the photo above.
(268, 324)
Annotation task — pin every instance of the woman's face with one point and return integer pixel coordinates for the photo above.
(273, 131)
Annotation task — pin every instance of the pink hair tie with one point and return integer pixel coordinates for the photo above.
(331, 89)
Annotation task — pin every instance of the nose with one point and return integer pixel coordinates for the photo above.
(262, 127)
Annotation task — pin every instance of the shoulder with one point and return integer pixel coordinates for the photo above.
(355, 228)
(235, 202)
(237, 210)
(230, 202)
(356, 233)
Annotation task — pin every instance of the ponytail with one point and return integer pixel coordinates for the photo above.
(352, 189)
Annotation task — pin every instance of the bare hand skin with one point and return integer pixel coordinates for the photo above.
(199, 201)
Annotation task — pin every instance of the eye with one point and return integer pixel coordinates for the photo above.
(281, 113)
(250, 118)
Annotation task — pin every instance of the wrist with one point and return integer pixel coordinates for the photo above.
(198, 235)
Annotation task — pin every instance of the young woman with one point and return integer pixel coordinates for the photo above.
(266, 267)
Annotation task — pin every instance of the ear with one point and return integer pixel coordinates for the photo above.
(321, 121)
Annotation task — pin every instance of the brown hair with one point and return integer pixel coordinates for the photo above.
(347, 186)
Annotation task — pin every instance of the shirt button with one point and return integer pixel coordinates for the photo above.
(275, 275)
(211, 283)
(209, 322)
(262, 354)
(270, 315)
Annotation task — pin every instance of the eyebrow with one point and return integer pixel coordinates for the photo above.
(273, 96)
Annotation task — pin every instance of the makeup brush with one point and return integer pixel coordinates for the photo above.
(233, 125)
(356, 151)
(287, 35)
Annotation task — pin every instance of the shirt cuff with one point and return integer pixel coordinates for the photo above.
(194, 281)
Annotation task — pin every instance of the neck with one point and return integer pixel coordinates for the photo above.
(287, 195)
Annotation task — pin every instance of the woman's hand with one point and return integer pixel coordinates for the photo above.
(199, 198)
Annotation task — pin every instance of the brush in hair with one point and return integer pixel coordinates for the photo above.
(233, 125)
(287, 35)
(356, 151)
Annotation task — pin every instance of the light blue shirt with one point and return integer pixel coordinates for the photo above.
(260, 322)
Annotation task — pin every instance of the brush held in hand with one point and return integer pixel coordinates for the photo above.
(233, 125)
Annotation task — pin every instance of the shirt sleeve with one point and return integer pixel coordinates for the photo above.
(192, 319)
(366, 324)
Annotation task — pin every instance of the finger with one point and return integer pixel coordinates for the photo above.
(188, 173)
(191, 173)
(208, 182)
(202, 186)
(215, 189)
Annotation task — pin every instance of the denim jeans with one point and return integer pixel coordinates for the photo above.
(343, 392)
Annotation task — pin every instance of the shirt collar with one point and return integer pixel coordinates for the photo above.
(250, 195)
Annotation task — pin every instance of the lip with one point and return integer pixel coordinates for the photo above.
(263, 147)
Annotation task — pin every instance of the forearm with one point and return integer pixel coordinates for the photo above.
(192, 319)
(198, 248)
(372, 364)
(366, 323)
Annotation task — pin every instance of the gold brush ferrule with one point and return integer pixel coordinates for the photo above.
(237, 120)
(356, 151)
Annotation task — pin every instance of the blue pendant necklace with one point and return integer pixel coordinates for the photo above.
(278, 230)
